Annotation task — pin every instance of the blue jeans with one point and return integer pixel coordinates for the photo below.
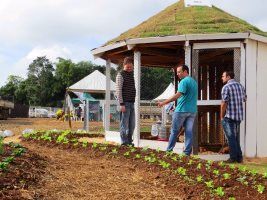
(178, 120)
(127, 124)
(232, 133)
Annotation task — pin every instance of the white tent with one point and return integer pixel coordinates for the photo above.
(93, 83)
(169, 92)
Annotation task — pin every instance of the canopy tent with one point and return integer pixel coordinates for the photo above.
(93, 83)
(83, 96)
(76, 101)
(169, 92)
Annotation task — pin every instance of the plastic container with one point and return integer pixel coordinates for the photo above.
(162, 134)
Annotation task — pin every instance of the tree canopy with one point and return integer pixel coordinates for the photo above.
(46, 82)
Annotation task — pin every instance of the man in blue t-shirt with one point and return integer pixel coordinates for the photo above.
(185, 112)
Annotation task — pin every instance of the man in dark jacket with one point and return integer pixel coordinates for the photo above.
(125, 93)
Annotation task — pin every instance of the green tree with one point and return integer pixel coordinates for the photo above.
(154, 81)
(9, 90)
(40, 81)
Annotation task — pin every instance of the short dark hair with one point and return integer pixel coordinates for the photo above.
(230, 73)
(127, 60)
(184, 68)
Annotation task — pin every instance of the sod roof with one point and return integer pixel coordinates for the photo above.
(178, 20)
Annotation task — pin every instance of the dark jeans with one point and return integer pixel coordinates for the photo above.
(127, 124)
(232, 133)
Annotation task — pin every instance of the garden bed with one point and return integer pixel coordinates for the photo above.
(192, 177)
(19, 169)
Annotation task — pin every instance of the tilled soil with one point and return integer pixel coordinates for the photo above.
(22, 173)
(75, 175)
(70, 174)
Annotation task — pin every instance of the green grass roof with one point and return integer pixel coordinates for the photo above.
(178, 20)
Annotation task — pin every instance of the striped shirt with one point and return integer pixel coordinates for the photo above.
(125, 87)
(233, 93)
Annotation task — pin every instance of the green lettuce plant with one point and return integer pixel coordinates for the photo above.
(181, 171)
(199, 178)
(209, 184)
(260, 188)
(1, 145)
(219, 191)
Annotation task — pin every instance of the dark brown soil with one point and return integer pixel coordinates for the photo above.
(115, 175)
(57, 171)
(21, 174)
(79, 174)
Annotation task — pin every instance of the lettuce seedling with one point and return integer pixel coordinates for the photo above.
(226, 176)
(9, 159)
(209, 184)
(199, 166)
(199, 178)
(127, 154)
(253, 172)
(138, 156)
(181, 171)
(94, 145)
(1, 145)
(216, 172)
(164, 164)
(219, 191)
(260, 188)
(85, 144)
(174, 158)
(114, 151)
(145, 148)
(231, 198)
(3, 166)
(221, 164)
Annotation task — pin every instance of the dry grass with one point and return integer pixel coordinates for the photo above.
(178, 20)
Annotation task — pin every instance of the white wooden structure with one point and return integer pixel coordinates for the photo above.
(252, 72)
(224, 43)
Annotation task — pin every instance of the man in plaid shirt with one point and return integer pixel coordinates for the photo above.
(233, 96)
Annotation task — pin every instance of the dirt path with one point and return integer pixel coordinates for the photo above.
(78, 176)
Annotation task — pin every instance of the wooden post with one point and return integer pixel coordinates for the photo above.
(243, 82)
(194, 73)
(137, 79)
(187, 49)
(69, 119)
(107, 97)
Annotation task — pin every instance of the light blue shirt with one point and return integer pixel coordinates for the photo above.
(188, 101)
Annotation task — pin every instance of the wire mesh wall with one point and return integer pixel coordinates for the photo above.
(208, 67)
(154, 81)
(114, 117)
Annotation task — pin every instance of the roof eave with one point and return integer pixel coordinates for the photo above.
(98, 52)
(257, 37)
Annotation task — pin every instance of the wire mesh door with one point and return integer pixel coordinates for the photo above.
(154, 81)
(208, 66)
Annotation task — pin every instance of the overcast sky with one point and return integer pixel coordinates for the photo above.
(71, 28)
